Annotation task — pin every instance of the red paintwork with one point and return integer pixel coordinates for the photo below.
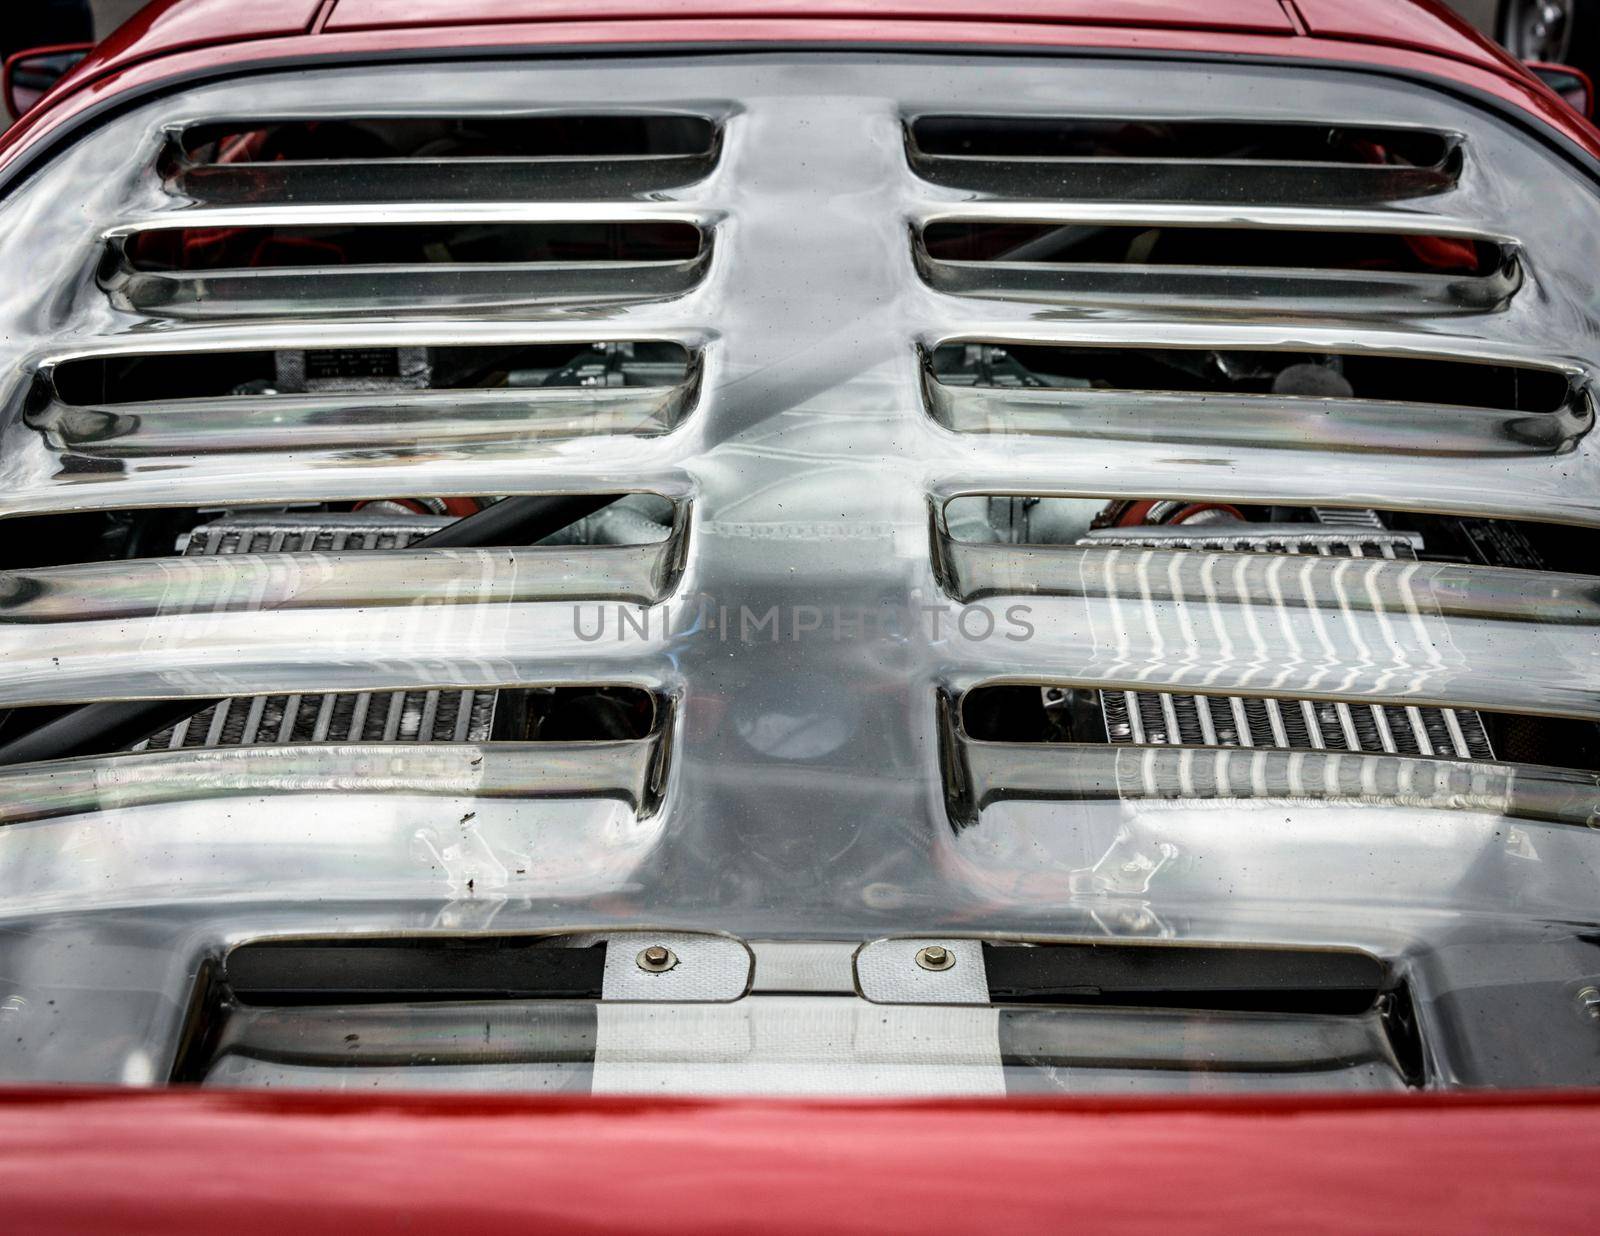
(274, 1162)
(165, 25)
(1261, 16)
(1426, 25)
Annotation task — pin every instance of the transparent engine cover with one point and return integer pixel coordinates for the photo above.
(803, 797)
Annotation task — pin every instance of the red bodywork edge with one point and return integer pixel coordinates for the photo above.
(271, 1162)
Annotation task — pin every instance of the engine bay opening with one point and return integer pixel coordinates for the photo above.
(1277, 980)
(351, 526)
(469, 158)
(1060, 712)
(1219, 524)
(501, 1012)
(1122, 160)
(165, 376)
(445, 138)
(1054, 713)
(363, 530)
(1165, 245)
(573, 714)
(499, 243)
(306, 1011)
(1053, 137)
(364, 970)
(1428, 380)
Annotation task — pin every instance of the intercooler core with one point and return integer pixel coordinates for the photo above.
(1172, 718)
(266, 720)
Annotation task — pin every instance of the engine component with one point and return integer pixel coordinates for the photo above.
(1211, 533)
(110, 726)
(1158, 717)
(396, 716)
(1169, 718)
(354, 369)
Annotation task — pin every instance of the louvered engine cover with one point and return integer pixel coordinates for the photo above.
(805, 302)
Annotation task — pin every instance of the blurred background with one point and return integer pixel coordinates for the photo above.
(1551, 31)
(109, 14)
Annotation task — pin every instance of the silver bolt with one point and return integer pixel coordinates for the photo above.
(935, 957)
(1589, 1001)
(657, 959)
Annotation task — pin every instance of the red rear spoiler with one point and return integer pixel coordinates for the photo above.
(187, 1161)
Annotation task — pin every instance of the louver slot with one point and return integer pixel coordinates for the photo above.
(130, 540)
(536, 1046)
(1161, 718)
(299, 972)
(590, 545)
(631, 770)
(482, 158)
(294, 562)
(1321, 269)
(1010, 743)
(406, 1009)
(1182, 160)
(430, 244)
(630, 572)
(1373, 631)
(365, 264)
(562, 714)
(1097, 245)
(368, 397)
(1195, 977)
(1027, 714)
(1293, 400)
(1131, 1048)
(1282, 611)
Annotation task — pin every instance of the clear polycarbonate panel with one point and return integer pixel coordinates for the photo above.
(847, 410)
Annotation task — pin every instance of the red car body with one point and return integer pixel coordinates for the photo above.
(131, 1161)
(175, 39)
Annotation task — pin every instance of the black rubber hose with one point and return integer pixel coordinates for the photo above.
(94, 729)
(516, 521)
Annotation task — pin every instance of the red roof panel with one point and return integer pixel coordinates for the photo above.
(1422, 24)
(168, 24)
(1260, 16)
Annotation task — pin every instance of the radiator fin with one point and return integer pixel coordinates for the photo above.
(1173, 719)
